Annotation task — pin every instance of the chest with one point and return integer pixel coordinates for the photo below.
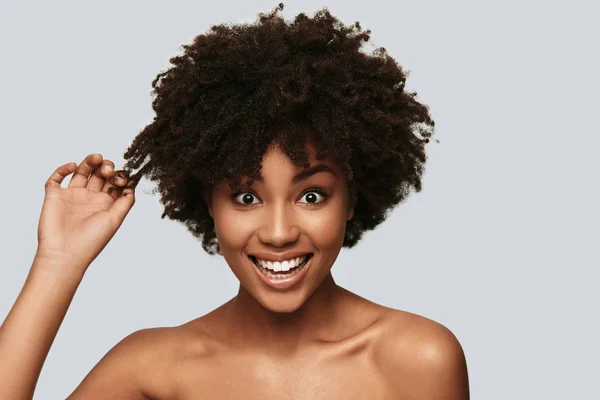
(308, 378)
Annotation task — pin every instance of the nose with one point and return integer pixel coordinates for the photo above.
(279, 227)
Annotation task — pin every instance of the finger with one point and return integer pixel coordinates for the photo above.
(115, 183)
(120, 208)
(87, 166)
(60, 174)
(120, 178)
(101, 173)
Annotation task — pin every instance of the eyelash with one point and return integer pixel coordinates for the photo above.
(313, 190)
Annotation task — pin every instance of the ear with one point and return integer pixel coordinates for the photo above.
(207, 194)
(209, 204)
(352, 203)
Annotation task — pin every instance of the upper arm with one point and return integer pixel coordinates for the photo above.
(123, 373)
(428, 363)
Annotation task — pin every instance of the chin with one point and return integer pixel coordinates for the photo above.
(281, 304)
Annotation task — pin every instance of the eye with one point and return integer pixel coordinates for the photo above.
(245, 198)
(314, 196)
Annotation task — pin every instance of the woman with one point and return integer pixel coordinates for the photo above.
(276, 144)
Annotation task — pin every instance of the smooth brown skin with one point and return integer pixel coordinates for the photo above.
(314, 341)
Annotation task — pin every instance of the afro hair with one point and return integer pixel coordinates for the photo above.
(239, 88)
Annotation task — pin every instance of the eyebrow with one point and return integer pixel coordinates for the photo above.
(308, 172)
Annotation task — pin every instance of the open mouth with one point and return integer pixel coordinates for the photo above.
(284, 270)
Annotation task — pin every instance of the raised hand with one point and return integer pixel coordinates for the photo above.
(78, 221)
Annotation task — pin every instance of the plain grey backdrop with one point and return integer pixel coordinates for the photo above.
(501, 246)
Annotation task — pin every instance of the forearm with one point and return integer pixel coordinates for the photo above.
(31, 326)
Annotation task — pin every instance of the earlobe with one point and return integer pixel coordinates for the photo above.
(350, 214)
(209, 206)
(207, 194)
(351, 211)
(353, 198)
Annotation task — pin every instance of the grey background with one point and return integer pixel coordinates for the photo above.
(499, 246)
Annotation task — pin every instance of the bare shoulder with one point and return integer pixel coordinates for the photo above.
(138, 367)
(422, 357)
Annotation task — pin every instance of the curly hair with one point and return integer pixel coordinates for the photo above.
(239, 88)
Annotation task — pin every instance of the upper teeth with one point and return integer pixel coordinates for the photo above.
(281, 266)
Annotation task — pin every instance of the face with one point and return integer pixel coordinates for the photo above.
(292, 213)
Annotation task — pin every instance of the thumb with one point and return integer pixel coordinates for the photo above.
(121, 206)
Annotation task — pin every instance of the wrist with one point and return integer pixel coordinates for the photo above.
(61, 266)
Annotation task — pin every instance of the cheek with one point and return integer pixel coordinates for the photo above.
(327, 228)
(233, 229)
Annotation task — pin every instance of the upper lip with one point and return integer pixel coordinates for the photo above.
(281, 256)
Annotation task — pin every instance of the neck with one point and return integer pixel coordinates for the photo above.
(285, 331)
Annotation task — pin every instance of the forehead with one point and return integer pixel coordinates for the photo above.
(276, 164)
(277, 168)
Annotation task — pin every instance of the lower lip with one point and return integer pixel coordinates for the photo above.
(285, 283)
